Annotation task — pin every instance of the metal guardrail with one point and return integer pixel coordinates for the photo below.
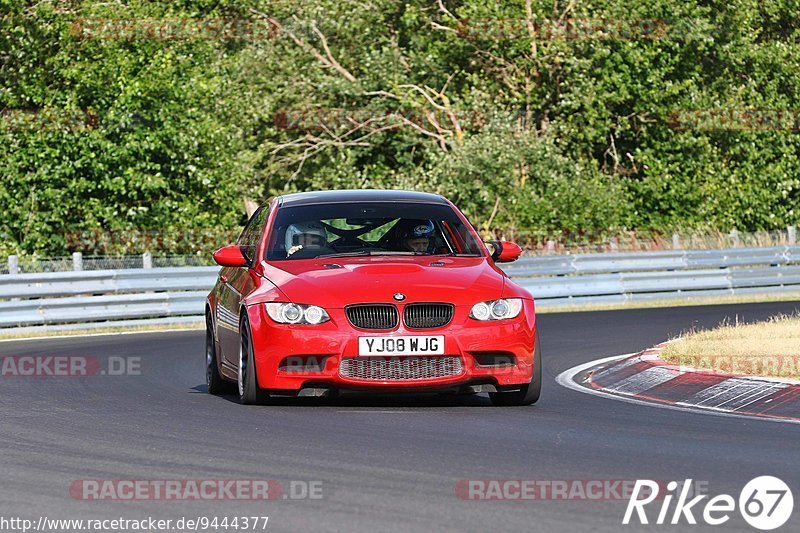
(619, 277)
(649, 261)
(64, 297)
(107, 295)
(125, 281)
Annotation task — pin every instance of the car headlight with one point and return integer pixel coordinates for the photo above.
(497, 309)
(288, 313)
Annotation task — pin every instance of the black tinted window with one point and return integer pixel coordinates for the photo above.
(251, 235)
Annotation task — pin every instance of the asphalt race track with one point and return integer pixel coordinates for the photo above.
(385, 463)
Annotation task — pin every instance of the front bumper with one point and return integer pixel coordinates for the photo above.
(293, 357)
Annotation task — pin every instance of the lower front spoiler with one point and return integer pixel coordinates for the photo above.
(328, 390)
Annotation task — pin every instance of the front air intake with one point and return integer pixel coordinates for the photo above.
(400, 369)
(372, 316)
(427, 316)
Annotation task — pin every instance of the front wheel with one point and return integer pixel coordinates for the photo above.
(529, 393)
(249, 391)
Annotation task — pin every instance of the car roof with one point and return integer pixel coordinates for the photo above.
(358, 195)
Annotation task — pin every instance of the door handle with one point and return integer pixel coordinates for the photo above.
(223, 278)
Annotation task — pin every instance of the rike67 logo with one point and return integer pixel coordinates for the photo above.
(765, 503)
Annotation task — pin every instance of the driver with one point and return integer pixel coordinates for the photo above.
(305, 236)
(417, 236)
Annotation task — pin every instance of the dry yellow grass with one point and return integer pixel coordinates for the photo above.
(770, 348)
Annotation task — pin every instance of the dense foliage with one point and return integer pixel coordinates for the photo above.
(586, 125)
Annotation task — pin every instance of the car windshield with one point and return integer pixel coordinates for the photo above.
(369, 228)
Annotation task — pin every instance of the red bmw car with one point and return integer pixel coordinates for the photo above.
(389, 291)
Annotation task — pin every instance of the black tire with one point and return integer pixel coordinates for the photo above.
(528, 394)
(249, 391)
(214, 381)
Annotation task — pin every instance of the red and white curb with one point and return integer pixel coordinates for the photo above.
(646, 379)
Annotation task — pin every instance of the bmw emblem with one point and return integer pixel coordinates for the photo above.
(399, 296)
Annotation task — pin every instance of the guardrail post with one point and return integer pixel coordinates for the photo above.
(614, 244)
(551, 247)
(147, 260)
(13, 264)
(676, 241)
(77, 261)
(735, 238)
(792, 231)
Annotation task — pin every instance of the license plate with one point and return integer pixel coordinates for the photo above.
(405, 345)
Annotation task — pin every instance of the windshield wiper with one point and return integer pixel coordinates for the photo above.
(392, 252)
(346, 254)
(370, 252)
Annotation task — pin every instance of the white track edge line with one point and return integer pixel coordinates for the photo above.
(566, 379)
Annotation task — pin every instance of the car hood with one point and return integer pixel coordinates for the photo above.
(337, 282)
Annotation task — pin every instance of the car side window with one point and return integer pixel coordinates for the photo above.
(247, 226)
(248, 240)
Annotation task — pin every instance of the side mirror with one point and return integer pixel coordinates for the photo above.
(504, 251)
(231, 256)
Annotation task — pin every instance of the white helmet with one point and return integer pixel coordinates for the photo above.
(304, 228)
